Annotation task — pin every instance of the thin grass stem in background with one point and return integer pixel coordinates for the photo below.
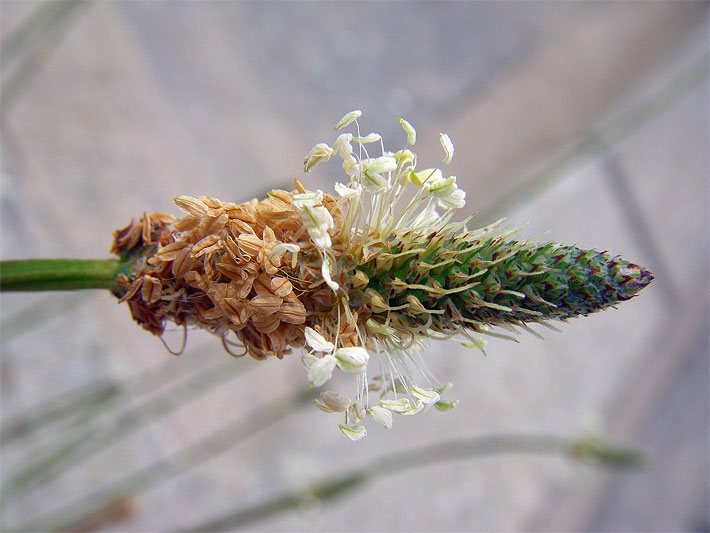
(332, 488)
(74, 402)
(626, 123)
(38, 312)
(33, 28)
(44, 30)
(173, 465)
(87, 440)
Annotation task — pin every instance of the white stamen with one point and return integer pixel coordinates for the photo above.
(382, 415)
(343, 146)
(325, 272)
(321, 371)
(455, 200)
(280, 249)
(348, 119)
(427, 396)
(354, 432)
(446, 406)
(397, 406)
(380, 165)
(426, 176)
(409, 130)
(369, 138)
(448, 147)
(351, 167)
(319, 153)
(311, 199)
(352, 360)
(316, 219)
(405, 386)
(332, 402)
(317, 342)
(414, 410)
(348, 192)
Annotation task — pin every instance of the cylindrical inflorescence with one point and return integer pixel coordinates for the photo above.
(250, 269)
(472, 280)
(376, 271)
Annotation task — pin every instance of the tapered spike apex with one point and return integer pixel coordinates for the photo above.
(630, 279)
(497, 282)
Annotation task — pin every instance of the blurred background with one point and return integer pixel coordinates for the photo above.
(588, 120)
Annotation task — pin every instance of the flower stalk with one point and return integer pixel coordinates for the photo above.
(59, 274)
(585, 449)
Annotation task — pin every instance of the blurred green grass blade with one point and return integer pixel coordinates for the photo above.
(328, 490)
(38, 313)
(623, 125)
(25, 35)
(87, 440)
(78, 400)
(175, 464)
(338, 486)
(31, 45)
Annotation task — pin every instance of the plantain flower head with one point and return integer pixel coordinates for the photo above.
(359, 281)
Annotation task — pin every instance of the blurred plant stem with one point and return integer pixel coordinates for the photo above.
(104, 393)
(86, 440)
(59, 274)
(38, 312)
(29, 45)
(173, 465)
(599, 142)
(583, 449)
(24, 35)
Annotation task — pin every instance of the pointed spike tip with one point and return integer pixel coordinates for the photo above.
(630, 279)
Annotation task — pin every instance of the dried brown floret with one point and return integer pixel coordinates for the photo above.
(225, 253)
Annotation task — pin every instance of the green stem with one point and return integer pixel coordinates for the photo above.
(59, 274)
(584, 449)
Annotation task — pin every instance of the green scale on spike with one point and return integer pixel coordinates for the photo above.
(463, 281)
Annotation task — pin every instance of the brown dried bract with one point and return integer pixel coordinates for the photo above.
(215, 269)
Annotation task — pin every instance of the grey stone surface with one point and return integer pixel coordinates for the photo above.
(132, 104)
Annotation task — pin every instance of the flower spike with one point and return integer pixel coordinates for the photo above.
(361, 280)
